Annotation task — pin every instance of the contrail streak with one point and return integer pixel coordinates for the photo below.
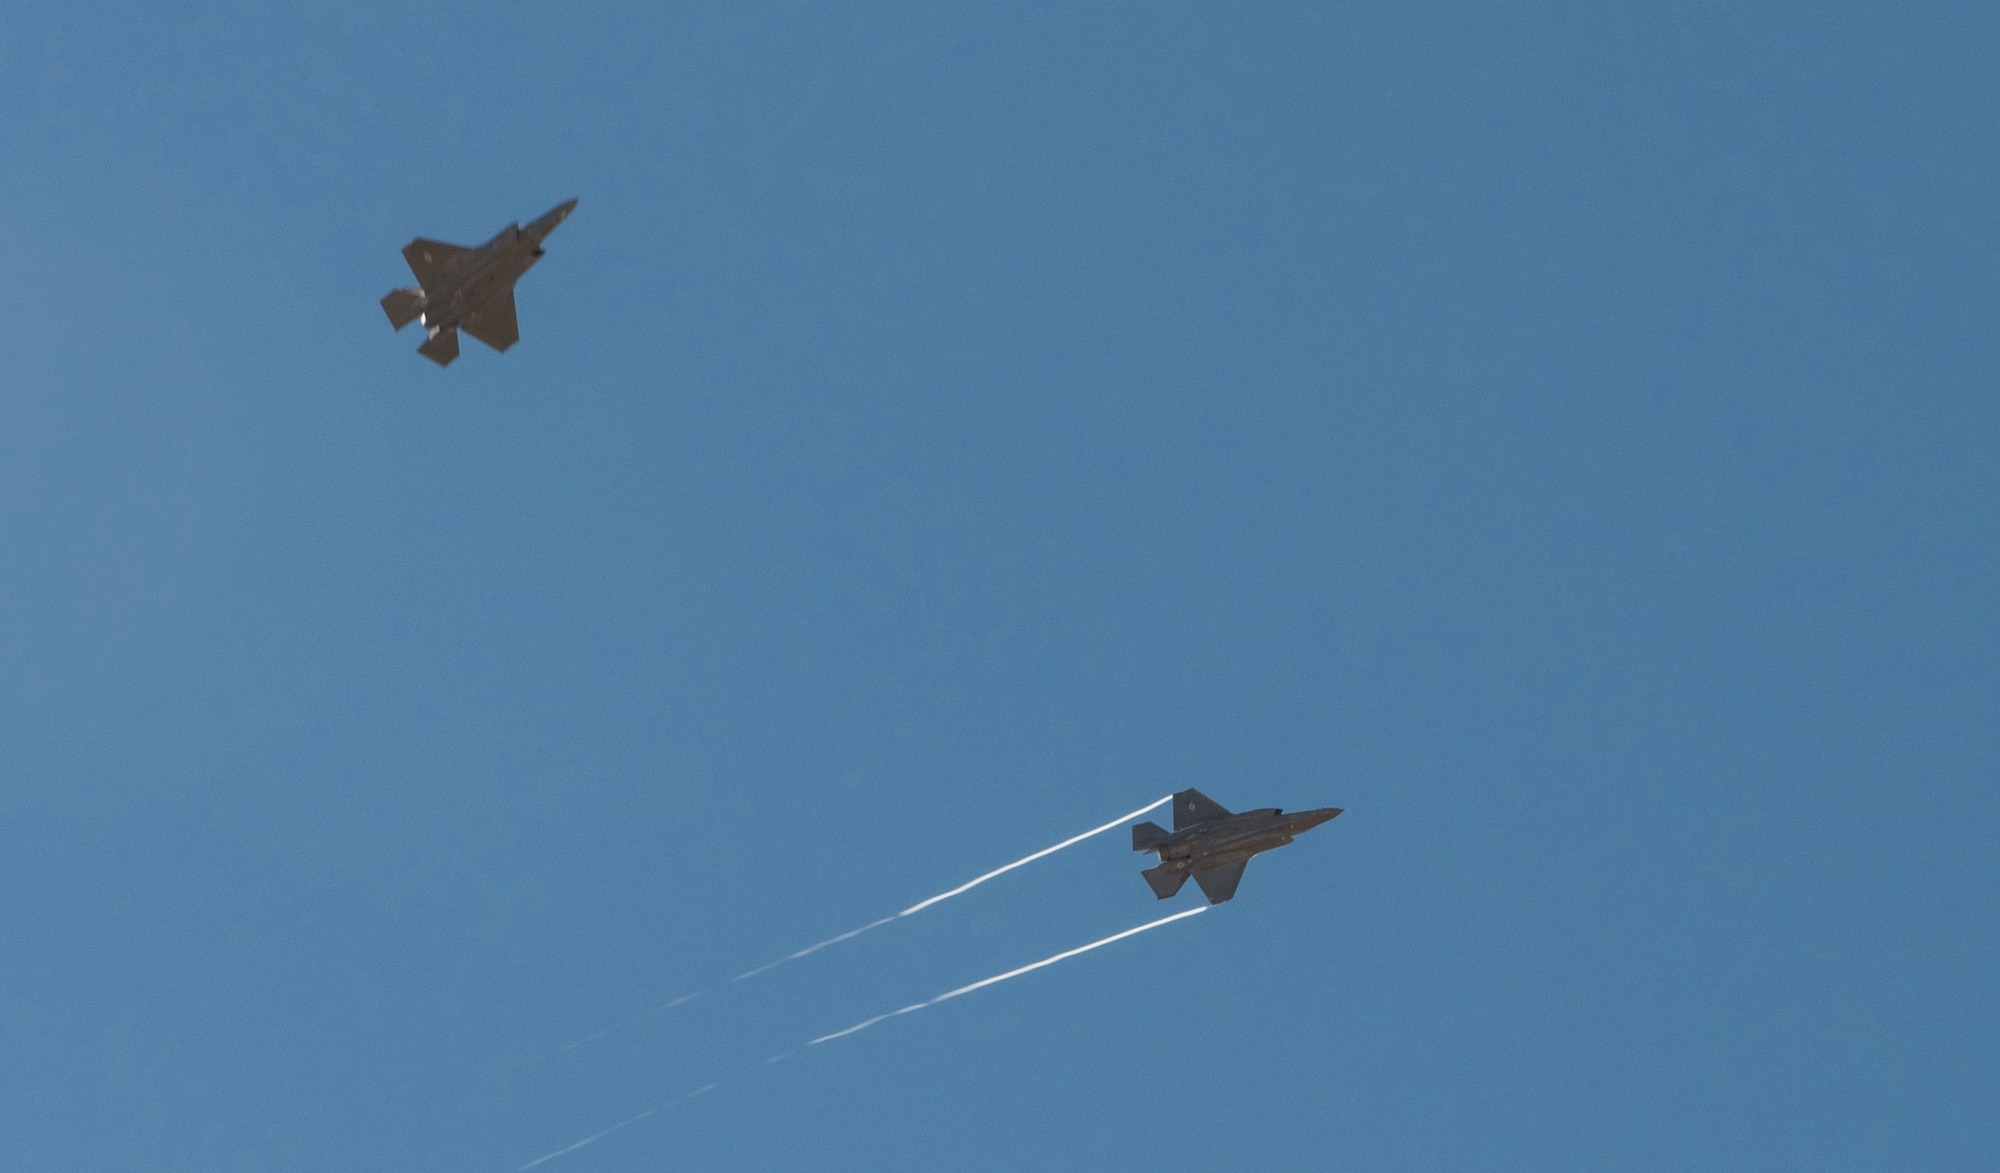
(981, 984)
(850, 934)
(1012, 973)
(846, 936)
(1027, 859)
(596, 1035)
(597, 1136)
(968, 886)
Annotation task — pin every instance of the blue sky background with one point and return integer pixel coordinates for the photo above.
(1564, 436)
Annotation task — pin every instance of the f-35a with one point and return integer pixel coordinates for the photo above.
(469, 287)
(1214, 846)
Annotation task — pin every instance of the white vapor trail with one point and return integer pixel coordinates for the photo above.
(597, 1136)
(968, 886)
(1012, 973)
(598, 1034)
(1027, 859)
(1065, 955)
(846, 936)
(876, 924)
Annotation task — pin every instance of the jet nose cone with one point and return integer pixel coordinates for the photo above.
(549, 221)
(1309, 819)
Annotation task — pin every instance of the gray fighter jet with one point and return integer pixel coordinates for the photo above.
(1214, 846)
(469, 287)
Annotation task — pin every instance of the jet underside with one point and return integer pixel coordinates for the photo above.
(469, 288)
(1213, 845)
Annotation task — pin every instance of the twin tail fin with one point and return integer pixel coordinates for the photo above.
(403, 306)
(1164, 882)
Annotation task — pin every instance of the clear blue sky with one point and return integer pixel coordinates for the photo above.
(1565, 436)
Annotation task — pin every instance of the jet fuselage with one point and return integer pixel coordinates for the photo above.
(492, 268)
(1237, 837)
(1213, 846)
(469, 288)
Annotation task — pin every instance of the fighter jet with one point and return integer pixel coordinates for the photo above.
(469, 287)
(1214, 846)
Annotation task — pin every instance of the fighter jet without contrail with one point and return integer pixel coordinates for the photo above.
(469, 287)
(1214, 846)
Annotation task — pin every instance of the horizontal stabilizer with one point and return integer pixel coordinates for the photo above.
(1147, 836)
(403, 306)
(1164, 882)
(442, 347)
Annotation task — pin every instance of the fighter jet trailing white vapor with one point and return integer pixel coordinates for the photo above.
(1214, 846)
(912, 910)
(470, 287)
(858, 1027)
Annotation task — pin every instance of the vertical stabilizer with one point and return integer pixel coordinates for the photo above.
(403, 306)
(1192, 806)
(1164, 882)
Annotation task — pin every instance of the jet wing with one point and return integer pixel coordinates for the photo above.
(1219, 884)
(433, 259)
(492, 320)
(1192, 806)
